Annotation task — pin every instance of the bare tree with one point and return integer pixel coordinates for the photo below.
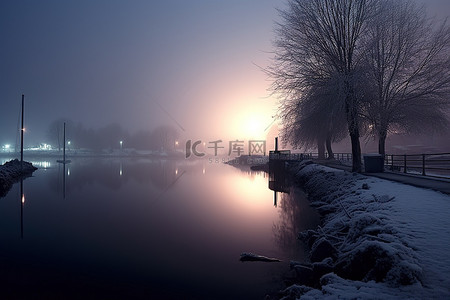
(164, 137)
(316, 40)
(409, 67)
(315, 118)
(55, 132)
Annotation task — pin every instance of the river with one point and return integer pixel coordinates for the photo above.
(141, 229)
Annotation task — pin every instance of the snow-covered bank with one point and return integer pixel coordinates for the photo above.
(378, 239)
(11, 172)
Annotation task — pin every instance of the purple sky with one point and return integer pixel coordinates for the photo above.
(99, 62)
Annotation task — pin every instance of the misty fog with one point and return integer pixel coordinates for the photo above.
(192, 66)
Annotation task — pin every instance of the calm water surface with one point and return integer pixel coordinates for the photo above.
(142, 229)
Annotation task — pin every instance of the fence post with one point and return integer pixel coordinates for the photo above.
(423, 164)
(404, 163)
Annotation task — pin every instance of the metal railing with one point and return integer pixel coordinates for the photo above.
(436, 164)
(337, 156)
(287, 155)
(433, 165)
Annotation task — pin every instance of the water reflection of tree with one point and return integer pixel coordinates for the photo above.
(295, 216)
(248, 171)
(163, 174)
(286, 230)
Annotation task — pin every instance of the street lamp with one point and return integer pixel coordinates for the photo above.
(121, 142)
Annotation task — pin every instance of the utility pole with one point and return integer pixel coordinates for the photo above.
(22, 129)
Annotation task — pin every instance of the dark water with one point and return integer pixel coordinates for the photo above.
(142, 229)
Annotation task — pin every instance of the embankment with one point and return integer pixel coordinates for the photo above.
(358, 251)
(11, 172)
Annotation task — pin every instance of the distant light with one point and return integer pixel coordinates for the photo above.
(7, 146)
(42, 164)
(204, 170)
(176, 172)
(176, 143)
(68, 172)
(68, 143)
(23, 198)
(44, 146)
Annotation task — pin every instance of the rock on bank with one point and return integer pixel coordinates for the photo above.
(11, 172)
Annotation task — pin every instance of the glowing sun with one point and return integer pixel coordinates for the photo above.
(253, 127)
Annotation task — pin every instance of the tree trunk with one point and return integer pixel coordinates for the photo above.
(321, 148)
(382, 144)
(353, 127)
(356, 152)
(329, 149)
(353, 130)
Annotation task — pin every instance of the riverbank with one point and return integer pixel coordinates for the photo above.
(11, 172)
(378, 239)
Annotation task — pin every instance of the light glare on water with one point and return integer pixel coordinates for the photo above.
(157, 228)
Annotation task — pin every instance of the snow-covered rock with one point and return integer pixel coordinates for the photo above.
(363, 248)
(11, 172)
(322, 249)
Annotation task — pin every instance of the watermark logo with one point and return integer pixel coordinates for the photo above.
(257, 147)
(235, 147)
(193, 148)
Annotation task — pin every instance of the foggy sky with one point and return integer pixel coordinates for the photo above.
(99, 62)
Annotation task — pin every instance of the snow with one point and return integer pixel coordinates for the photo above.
(392, 239)
(11, 172)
